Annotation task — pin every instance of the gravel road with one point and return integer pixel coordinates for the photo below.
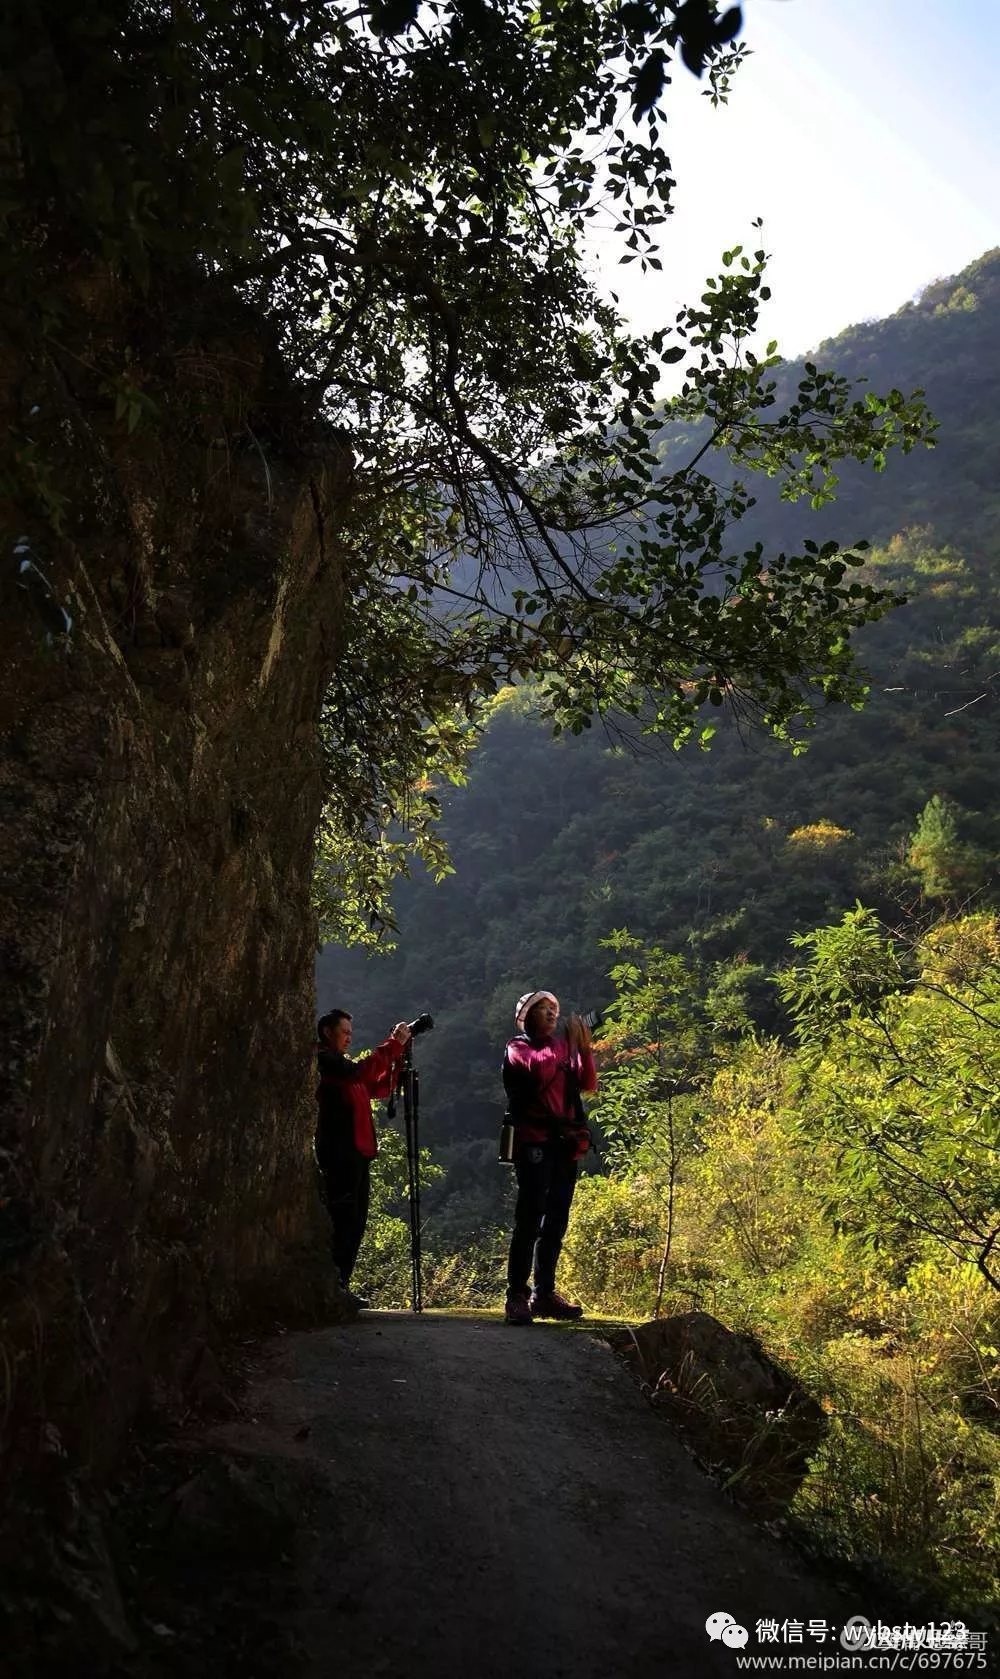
(502, 1502)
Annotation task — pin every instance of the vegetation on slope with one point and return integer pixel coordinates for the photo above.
(800, 1096)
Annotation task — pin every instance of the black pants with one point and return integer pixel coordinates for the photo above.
(546, 1179)
(345, 1182)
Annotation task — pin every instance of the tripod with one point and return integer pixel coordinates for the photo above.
(409, 1085)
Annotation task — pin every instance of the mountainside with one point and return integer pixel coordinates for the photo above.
(943, 342)
(727, 853)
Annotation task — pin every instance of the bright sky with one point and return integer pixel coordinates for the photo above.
(866, 133)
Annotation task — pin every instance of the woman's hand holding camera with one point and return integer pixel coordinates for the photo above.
(577, 1032)
(402, 1032)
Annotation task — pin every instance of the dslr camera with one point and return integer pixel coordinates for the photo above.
(423, 1023)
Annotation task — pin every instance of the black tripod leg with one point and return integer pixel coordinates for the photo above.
(418, 1304)
(413, 1181)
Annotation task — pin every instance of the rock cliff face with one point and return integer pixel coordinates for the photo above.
(170, 596)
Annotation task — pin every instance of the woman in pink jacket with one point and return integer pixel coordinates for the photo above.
(545, 1069)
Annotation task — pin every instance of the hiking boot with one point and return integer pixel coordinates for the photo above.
(552, 1306)
(516, 1309)
(355, 1302)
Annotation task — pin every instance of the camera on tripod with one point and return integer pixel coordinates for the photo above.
(423, 1023)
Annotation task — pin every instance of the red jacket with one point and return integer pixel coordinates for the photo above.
(345, 1093)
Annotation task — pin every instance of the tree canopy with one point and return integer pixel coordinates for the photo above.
(405, 193)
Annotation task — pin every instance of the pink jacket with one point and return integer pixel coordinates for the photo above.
(543, 1078)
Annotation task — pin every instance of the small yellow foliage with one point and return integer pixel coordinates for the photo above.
(961, 952)
(819, 836)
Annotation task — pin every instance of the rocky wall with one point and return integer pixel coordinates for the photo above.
(171, 582)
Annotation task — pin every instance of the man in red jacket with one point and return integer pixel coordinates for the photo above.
(346, 1143)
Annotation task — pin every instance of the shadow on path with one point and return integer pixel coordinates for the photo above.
(426, 1497)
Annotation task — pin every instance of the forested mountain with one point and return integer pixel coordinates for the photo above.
(724, 854)
(945, 342)
(798, 1138)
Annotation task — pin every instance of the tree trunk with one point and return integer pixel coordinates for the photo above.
(170, 602)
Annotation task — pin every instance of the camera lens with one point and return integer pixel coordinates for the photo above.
(423, 1023)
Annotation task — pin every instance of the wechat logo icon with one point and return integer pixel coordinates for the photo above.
(722, 1627)
(857, 1634)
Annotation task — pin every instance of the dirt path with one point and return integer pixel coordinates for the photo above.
(430, 1497)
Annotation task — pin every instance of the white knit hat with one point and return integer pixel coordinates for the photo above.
(527, 1002)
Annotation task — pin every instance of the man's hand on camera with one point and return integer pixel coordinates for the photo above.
(402, 1032)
